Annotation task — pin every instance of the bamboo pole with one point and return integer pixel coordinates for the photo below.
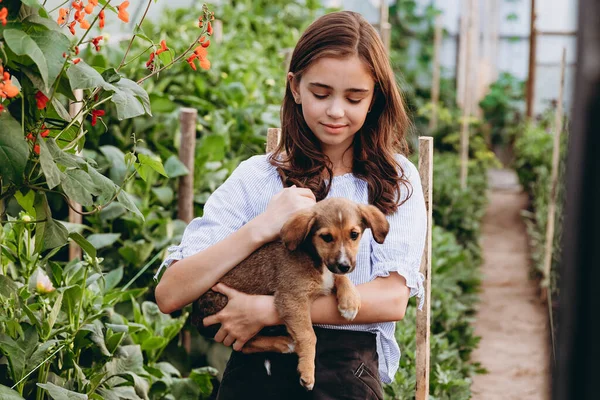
(435, 84)
(424, 317)
(185, 198)
(473, 61)
(462, 56)
(558, 118)
(530, 92)
(75, 217)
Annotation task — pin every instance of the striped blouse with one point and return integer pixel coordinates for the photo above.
(245, 195)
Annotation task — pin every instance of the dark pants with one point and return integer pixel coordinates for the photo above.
(346, 367)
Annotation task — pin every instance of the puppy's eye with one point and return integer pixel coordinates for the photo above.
(354, 235)
(327, 237)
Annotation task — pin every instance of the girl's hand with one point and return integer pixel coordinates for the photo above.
(282, 206)
(242, 318)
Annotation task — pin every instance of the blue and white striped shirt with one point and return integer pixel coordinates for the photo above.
(245, 195)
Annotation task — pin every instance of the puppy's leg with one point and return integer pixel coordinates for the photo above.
(295, 313)
(278, 344)
(347, 296)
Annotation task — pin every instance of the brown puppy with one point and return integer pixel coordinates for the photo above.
(318, 246)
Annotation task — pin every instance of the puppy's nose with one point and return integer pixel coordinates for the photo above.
(344, 268)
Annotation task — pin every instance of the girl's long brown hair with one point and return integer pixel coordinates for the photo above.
(298, 154)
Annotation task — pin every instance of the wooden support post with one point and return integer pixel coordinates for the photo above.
(530, 92)
(74, 217)
(558, 125)
(435, 84)
(462, 51)
(473, 61)
(218, 30)
(424, 316)
(467, 95)
(385, 28)
(185, 198)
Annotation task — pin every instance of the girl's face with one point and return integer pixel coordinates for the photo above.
(336, 95)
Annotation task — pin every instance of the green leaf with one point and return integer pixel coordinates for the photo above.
(127, 201)
(131, 361)
(130, 99)
(55, 234)
(14, 151)
(112, 279)
(49, 234)
(175, 168)
(143, 170)
(7, 393)
(54, 313)
(53, 175)
(97, 335)
(7, 286)
(23, 45)
(154, 343)
(78, 185)
(153, 163)
(138, 252)
(53, 44)
(100, 240)
(47, 22)
(59, 393)
(83, 243)
(26, 201)
(83, 76)
(106, 188)
(164, 195)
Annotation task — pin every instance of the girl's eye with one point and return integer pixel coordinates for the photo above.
(328, 238)
(353, 235)
(354, 101)
(319, 96)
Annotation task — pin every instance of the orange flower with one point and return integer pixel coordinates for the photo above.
(36, 149)
(84, 24)
(76, 61)
(3, 15)
(89, 8)
(62, 16)
(204, 63)
(101, 18)
(78, 5)
(79, 16)
(209, 28)
(201, 53)
(202, 39)
(45, 133)
(41, 100)
(72, 27)
(205, 44)
(123, 14)
(163, 47)
(150, 60)
(96, 42)
(95, 115)
(7, 89)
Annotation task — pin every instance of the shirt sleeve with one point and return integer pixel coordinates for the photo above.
(403, 247)
(227, 209)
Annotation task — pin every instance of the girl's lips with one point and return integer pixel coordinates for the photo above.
(333, 128)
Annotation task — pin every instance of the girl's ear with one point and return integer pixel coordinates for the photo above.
(294, 87)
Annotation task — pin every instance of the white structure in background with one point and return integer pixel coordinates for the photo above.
(556, 24)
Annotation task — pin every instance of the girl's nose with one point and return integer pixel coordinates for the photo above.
(335, 109)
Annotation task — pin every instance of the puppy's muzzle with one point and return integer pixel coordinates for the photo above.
(341, 268)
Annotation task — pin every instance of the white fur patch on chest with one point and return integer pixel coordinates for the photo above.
(328, 281)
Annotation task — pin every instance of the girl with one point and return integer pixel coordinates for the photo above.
(343, 135)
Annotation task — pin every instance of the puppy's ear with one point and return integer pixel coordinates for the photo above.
(295, 230)
(375, 219)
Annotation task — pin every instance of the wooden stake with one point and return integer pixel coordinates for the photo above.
(467, 96)
(530, 92)
(424, 316)
(74, 217)
(435, 84)
(462, 56)
(558, 118)
(185, 198)
(473, 61)
(385, 28)
(218, 30)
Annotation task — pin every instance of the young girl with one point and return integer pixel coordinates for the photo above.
(343, 135)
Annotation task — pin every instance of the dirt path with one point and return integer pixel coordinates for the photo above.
(511, 318)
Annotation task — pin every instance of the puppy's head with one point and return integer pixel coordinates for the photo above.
(332, 229)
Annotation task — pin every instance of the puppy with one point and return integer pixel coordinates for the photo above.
(317, 249)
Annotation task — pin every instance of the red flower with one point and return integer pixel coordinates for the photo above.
(30, 137)
(1, 108)
(96, 41)
(150, 60)
(78, 5)
(36, 149)
(163, 47)
(3, 15)
(205, 44)
(72, 27)
(95, 115)
(101, 18)
(45, 133)
(76, 50)
(209, 28)
(41, 100)
(76, 60)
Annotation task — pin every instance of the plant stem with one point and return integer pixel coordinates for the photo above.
(133, 37)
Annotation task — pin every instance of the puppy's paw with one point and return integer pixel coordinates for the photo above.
(349, 304)
(307, 383)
